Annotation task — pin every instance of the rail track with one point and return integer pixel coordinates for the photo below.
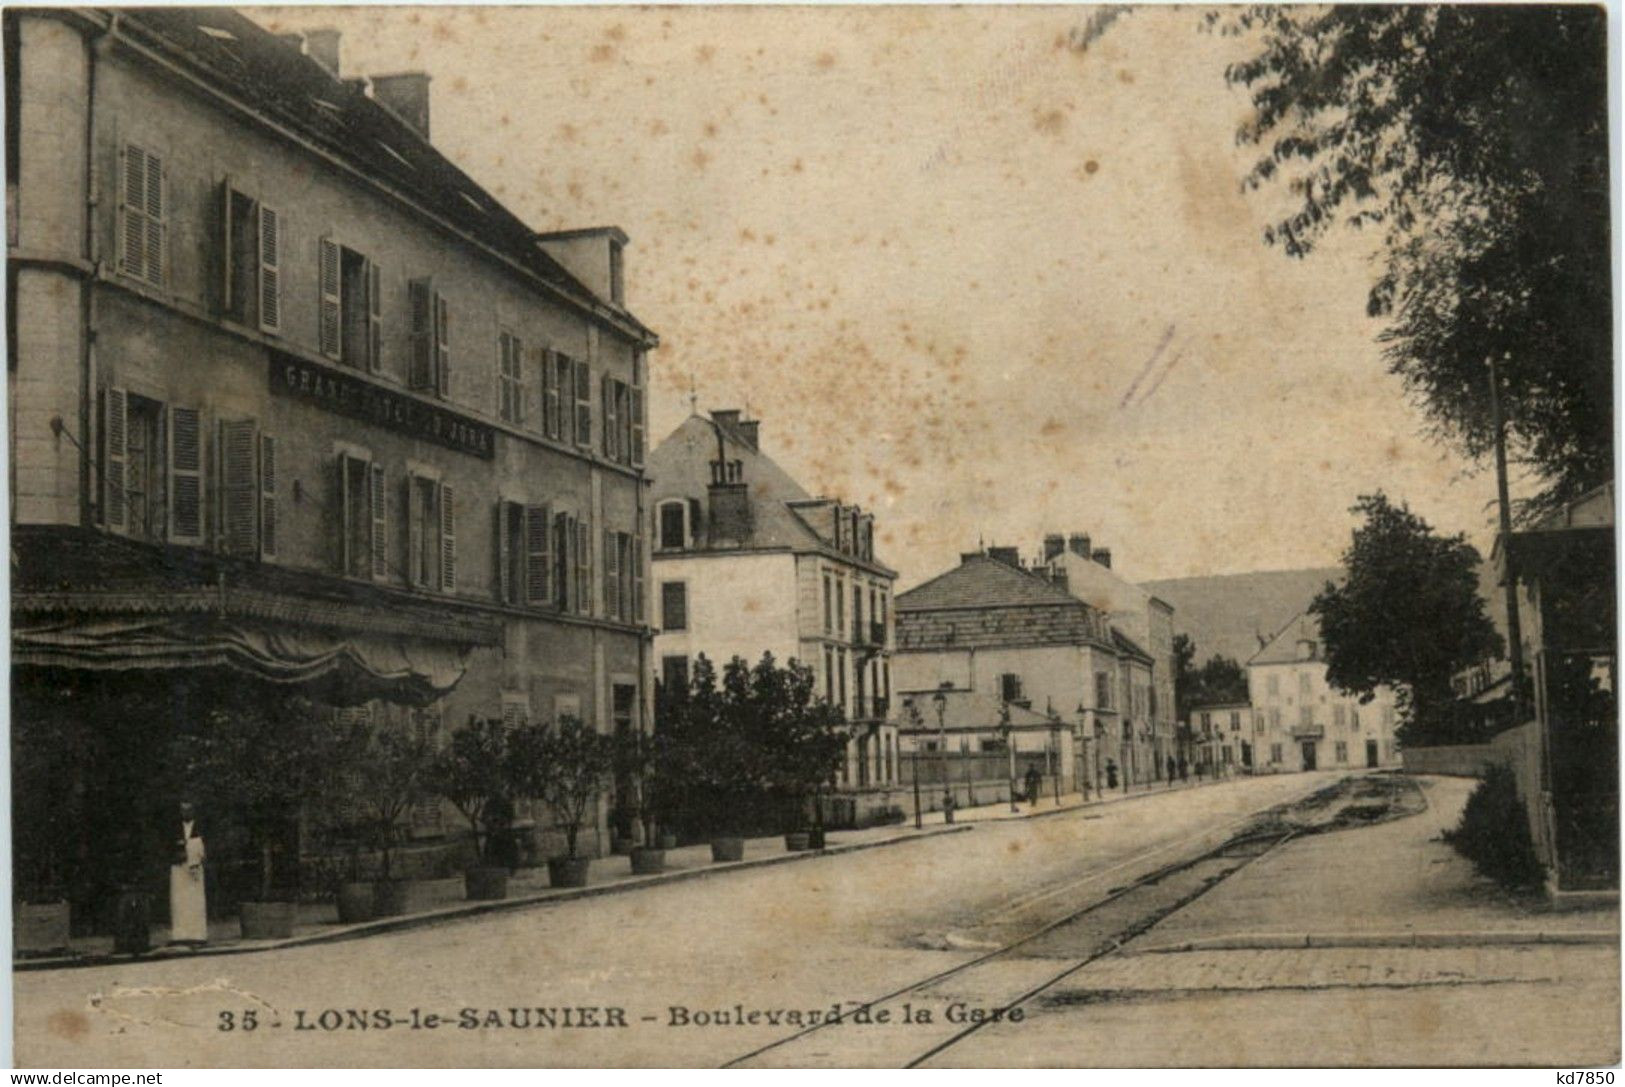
(998, 983)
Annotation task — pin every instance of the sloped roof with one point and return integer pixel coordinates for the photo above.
(1225, 613)
(680, 467)
(1128, 645)
(1283, 648)
(232, 53)
(983, 582)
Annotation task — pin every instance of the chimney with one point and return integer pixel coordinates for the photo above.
(1078, 544)
(322, 46)
(406, 94)
(1057, 577)
(750, 431)
(1010, 556)
(966, 556)
(729, 519)
(1103, 555)
(729, 420)
(1054, 544)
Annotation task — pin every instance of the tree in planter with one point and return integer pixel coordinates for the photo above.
(566, 765)
(474, 772)
(393, 778)
(799, 738)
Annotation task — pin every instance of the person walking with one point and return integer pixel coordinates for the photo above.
(1035, 782)
(1172, 769)
(188, 912)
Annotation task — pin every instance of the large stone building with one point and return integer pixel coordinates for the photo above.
(294, 399)
(1009, 633)
(1301, 722)
(747, 562)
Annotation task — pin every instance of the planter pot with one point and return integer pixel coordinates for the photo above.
(390, 897)
(567, 871)
(486, 884)
(622, 846)
(132, 923)
(668, 840)
(727, 849)
(646, 862)
(268, 920)
(355, 903)
(815, 838)
(796, 841)
(39, 928)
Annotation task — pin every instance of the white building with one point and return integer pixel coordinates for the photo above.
(746, 561)
(1300, 722)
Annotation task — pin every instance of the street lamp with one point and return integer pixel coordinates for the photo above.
(1082, 734)
(940, 700)
(913, 710)
(1054, 750)
(1010, 748)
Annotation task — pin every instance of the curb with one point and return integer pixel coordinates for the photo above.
(1317, 941)
(463, 910)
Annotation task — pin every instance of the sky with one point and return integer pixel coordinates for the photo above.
(970, 274)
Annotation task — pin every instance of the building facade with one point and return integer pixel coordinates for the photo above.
(746, 562)
(1221, 734)
(1300, 722)
(294, 400)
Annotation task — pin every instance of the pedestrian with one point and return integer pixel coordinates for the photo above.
(1184, 769)
(1111, 774)
(1035, 782)
(188, 915)
(1172, 769)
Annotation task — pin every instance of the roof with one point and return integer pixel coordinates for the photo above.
(983, 582)
(235, 55)
(1283, 647)
(1129, 646)
(1224, 613)
(680, 467)
(964, 710)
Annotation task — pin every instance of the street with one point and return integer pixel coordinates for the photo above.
(683, 964)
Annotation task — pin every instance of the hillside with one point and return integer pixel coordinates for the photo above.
(1226, 613)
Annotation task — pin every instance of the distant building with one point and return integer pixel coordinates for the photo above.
(1300, 722)
(1085, 571)
(1221, 735)
(746, 562)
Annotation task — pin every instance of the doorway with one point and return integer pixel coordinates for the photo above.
(1309, 754)
(1371, 754)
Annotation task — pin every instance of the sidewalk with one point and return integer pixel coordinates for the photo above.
(1392, 884)
(1048, 805)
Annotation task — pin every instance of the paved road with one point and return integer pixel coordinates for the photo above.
(793, 938)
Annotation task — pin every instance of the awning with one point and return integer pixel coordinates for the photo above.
(84, 600)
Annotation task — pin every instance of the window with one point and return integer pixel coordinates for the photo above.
(1103, 690)
(349, 328)
(1275, 752)
(674, 673)
(673, 524)
(1388, 715)
(137, 465)
(1258, 721)
(510, 379)
(431, 530)
(673, 605)
(1338, 715)
(362, 518)
(1235, 720)
(1303, 684)
(840, 675)
(829, 605)
(1010, 687)
(246, 499)
(143, 238)
(829, 675)
(1275, 717)
(430, 368)
(1274, 684)
(572, 563)
(583, 403)
(857, 614)
(524, 562)
(1354, 717)
(623, 576)
(515, 709)
(617, 284)
(1342, 751)
(1207, 722)
(251, 260)
(840, 605)
(556, 374)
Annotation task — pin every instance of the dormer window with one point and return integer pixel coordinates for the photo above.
(617, 274)
(1306, 650)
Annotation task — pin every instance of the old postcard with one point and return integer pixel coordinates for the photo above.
(812, 536)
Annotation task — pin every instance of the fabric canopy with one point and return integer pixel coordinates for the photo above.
(357, 665)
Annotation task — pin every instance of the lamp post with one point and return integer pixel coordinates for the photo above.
(1055, 747)
(914, 758)
(940, 700)
(1082, 734)
(1010, 749)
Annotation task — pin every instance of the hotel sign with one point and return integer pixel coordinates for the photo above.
(357, 398)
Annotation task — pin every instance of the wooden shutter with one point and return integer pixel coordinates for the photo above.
(442, 346)
(564, 540)
(132, 211)
(414, 533)
(504, 558)
(538, 555)
(550, 395)
(328, 337)
(583, 397)
(612, 584)
(635, 409)
(606, 393)
(238, 487)
(375, 318)
(379, 511)
(114, 431)
(156, 227)
(270, 231)
(448, 539)
(185, 475)
(228, 254)
(420, 373)
(584, 566)
(637, 578)
(268, 500)
(344, 505)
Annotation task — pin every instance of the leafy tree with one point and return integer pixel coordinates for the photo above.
(800, 738)
(1221, 679)
(1408, 615)
(1475, 139)
(474, 771)
(394, 774)
(566, 765)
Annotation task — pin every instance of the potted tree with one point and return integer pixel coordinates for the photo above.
(801, 740)
(640, 759)
(392, 781)
(42, 775)
(473, 772)
(565, 765)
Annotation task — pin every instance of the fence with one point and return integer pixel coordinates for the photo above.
(1454, 760)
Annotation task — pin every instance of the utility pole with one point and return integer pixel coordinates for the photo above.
(1514, 629)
